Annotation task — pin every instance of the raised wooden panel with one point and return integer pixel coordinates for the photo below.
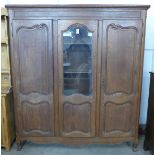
(77, 119)
(117, 118)
(39, 125)
(119, 77)
(33, 58)
(120, 58)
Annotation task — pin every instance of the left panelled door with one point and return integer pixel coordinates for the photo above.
(32, 71)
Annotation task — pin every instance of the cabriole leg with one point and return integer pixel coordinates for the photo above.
(19, 144)
(135, 146)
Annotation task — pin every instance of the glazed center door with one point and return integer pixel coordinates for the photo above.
(77, 52)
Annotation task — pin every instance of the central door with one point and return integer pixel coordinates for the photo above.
(77, 48)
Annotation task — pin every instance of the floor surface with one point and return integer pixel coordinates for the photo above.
(91, 149)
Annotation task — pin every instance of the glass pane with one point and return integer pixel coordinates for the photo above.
(77, 42)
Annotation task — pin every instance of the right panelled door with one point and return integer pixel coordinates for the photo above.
(120, 75)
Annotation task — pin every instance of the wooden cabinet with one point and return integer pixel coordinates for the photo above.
(77, 72)
(7, 112)
(5, 65)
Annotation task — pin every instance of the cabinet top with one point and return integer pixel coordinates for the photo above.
(79, 6)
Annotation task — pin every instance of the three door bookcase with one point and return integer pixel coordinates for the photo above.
(77, 72)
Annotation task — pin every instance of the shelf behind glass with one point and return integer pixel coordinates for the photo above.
(77, 72)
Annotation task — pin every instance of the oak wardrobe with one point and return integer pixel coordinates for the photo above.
(77, 72)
